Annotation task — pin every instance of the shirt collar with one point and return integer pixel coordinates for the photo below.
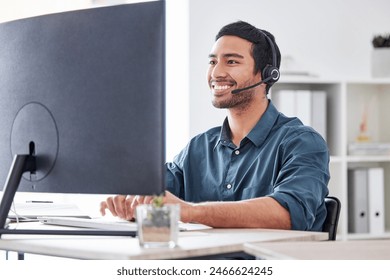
(264, 126)
(224, 135)
(259, 133)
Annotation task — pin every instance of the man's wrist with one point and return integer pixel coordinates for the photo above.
(189, 212)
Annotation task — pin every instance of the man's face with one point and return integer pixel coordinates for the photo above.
(231, 66)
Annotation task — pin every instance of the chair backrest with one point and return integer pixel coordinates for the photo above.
(333, 206)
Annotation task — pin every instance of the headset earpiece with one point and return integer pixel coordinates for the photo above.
(270, 73)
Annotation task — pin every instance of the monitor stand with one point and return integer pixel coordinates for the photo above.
(27, 163)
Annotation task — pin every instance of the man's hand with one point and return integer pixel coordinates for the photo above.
(124, 206)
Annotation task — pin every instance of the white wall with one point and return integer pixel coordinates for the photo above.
(177, 104)
(329, 38)
(15, 9)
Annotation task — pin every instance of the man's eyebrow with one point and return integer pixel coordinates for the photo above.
(227, 55)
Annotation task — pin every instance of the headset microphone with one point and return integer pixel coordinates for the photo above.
(235, 91)
(270, 73)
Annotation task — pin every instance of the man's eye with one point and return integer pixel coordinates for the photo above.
(232, 62)
(212, 62)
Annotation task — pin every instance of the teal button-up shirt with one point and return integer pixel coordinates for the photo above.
(280, 158)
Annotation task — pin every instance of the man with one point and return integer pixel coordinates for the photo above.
(260, 169)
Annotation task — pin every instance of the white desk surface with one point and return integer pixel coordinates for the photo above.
(191, 244)
(330, 250)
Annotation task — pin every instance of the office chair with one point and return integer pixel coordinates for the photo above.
(333, 206)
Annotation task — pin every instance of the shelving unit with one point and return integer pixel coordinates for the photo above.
(346, 102)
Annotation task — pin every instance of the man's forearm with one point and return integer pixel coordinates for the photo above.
(262, 212)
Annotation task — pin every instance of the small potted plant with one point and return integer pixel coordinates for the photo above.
(381, 56)
(158, 223)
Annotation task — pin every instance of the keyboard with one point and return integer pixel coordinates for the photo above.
(103, 223)
(34, 210)
(94, 223)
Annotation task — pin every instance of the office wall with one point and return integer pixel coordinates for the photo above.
(329, 38)
(15, 9)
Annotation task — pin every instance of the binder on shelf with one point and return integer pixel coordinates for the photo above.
(358, 201)
(308, 106)
(304, 106)
(284, 100)
(366, 207)
(318, 116)
(376, 205)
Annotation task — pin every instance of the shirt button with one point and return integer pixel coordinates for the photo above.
(237, 152)
(229, 186)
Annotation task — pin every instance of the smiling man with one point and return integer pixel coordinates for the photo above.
(260, 168)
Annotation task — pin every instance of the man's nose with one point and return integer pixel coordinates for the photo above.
(218, 71)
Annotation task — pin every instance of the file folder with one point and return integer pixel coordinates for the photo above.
(376, 205)
(358, 201)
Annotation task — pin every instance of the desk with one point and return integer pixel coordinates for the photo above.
(191, 244)
(333, 250)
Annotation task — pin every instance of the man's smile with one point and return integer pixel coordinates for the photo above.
(219, 87)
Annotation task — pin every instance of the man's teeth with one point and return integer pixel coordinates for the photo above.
(221, 87)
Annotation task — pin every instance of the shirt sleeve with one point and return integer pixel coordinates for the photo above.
(174, 177)
(301, 184)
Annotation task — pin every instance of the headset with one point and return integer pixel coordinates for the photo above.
(270, 74)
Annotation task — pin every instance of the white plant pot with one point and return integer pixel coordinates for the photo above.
(380, 63)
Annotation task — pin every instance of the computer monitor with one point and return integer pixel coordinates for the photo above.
(82, 95)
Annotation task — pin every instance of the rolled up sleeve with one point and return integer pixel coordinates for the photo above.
(301, 184)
